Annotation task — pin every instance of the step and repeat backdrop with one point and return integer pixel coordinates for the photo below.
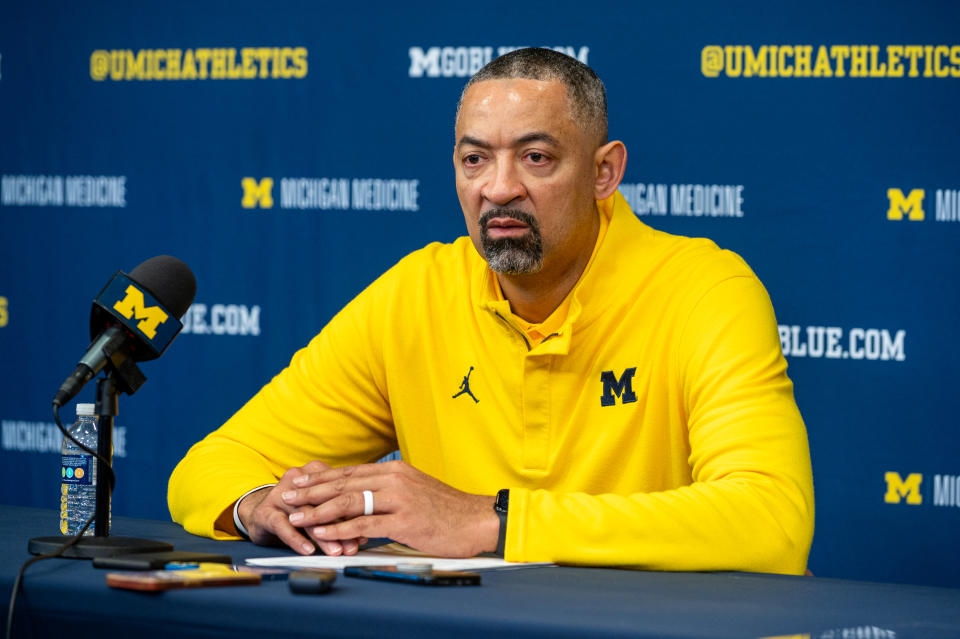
(291, 152)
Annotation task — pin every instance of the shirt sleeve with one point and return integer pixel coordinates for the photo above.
(750, 504)
(329, 404)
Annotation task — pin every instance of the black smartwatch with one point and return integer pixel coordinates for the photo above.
(500, 507)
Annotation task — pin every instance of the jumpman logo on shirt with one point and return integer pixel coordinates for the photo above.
(465, 387)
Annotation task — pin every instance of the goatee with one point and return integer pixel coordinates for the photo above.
(512, 255)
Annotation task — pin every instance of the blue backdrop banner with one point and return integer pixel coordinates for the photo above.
(290, 153)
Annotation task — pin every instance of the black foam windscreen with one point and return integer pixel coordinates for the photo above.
(169, 280)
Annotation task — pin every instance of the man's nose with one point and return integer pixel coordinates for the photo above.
(505, 185)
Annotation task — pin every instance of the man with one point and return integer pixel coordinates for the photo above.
(566, 385)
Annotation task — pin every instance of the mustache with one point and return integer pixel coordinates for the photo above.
(520, 216)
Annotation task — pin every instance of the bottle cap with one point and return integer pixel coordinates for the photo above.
(85, 409)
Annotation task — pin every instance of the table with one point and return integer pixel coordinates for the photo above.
(69, 598)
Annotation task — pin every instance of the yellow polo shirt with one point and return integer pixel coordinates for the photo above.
(656, 429)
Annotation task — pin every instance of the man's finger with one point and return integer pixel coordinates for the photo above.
(347, 472)
(315, 466)
(301, 473)
(346, 506)
(370, 526)
(332, 548)
(289, 534)
(330, 490)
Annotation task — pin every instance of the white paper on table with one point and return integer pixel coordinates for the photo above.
(387, 557)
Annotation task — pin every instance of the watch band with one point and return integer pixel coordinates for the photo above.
(500, 506)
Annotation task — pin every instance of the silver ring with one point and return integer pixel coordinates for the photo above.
(368, 502)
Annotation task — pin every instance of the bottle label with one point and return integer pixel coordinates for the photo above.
(76, 469)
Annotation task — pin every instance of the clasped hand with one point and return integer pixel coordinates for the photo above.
(316, 503)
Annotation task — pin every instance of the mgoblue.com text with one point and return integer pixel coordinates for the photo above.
(833, 342)
(222, 319)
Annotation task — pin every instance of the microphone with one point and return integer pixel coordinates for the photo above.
(133, 319)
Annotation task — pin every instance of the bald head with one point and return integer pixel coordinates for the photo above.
(585, 93)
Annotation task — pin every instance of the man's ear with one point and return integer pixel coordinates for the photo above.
(611, 162)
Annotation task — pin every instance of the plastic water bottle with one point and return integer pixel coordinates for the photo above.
(78, 474)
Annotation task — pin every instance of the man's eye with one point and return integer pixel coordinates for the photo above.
(537, 158)
(472, 159)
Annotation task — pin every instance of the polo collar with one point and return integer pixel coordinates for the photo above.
(594, 291)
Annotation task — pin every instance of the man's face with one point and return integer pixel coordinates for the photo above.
(525, 177)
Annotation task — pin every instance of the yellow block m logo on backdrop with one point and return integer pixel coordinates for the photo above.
(132, 306)
(911, 205)
(257, 193)
(898, 488)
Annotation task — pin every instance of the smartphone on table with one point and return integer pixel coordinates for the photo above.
(418, 576)
(203, 576)
(158, 560)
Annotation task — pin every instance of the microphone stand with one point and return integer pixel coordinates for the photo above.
(123, 375)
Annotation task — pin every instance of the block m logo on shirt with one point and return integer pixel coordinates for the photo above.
(621, 387)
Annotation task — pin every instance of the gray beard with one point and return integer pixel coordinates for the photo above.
(512, 255)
